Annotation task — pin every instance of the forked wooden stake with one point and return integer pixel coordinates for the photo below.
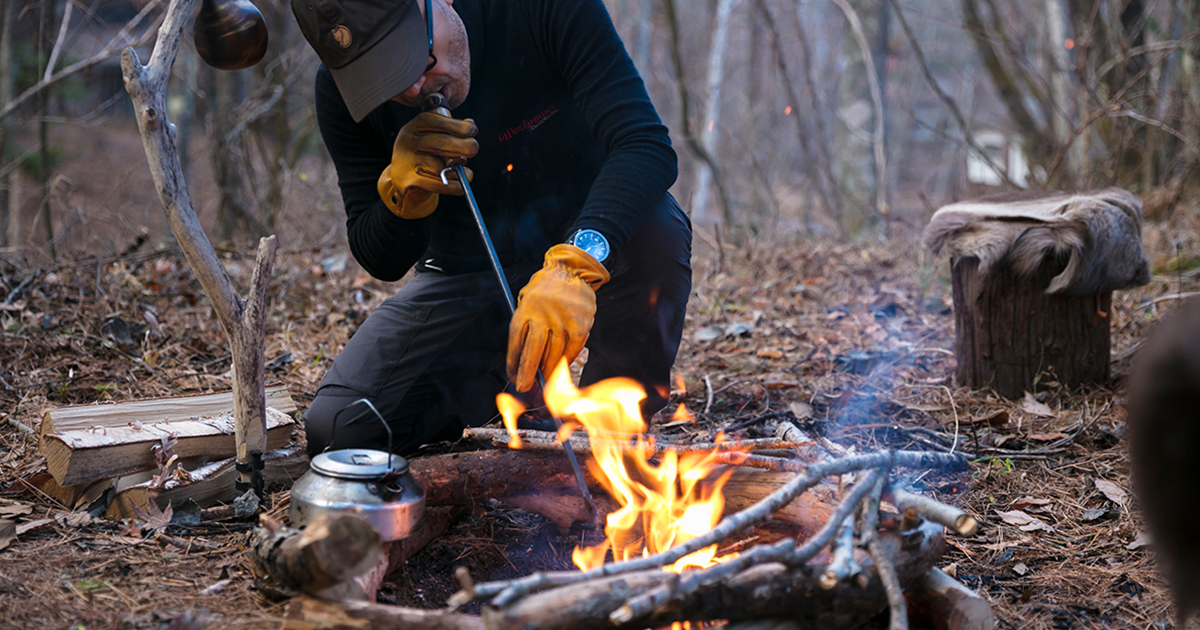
(243, 319)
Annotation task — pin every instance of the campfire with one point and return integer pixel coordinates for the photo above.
(661, 504)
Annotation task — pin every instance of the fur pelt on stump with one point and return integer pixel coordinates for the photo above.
(1101, 231)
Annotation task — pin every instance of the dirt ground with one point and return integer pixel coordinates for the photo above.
(853, 341)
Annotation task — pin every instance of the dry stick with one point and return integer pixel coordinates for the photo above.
(508, 591)
(940, 513)
(782, 552)
(842, 564)
(531, 441)
(548, 440)
(891, 585)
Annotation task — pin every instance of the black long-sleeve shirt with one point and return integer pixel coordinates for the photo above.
(568, 139)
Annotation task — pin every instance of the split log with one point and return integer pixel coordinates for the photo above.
(207, 485)
(467, 478)
(81, 455)
(307, 613)
(331, 549)
(154, 410)
(943, 603)
(70, 497)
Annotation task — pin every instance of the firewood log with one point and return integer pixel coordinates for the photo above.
(540, 481)
(331, 549)
(944, 603)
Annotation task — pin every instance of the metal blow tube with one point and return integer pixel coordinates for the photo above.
(437, 104)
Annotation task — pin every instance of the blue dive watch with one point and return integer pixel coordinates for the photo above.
(591, 242)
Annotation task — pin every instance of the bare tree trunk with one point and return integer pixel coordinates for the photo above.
(1058, 73)
(6, 94)
(645, 31)
(825, 168)
(45, 20)
(879, 153)
(684, 110)
(712, 108)
(879, 54)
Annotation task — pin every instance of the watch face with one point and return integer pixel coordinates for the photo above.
(591, 242)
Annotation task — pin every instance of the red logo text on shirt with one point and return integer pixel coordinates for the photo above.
(529, 124)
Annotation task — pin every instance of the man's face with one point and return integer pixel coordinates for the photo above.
(452, 75)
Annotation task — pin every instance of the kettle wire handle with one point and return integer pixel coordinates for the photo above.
(333, 430)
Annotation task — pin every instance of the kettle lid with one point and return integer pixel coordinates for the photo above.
(358, 463)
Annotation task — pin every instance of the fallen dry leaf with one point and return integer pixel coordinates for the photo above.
(1142, 540)
(800, 409)
(1047, 437)
(11, 510)
(1025, 502)
(1020, 568)
(8, 532)
(1023, 521)
(768, 353)
(32, 525)
(1031, 406)
(1111, 490)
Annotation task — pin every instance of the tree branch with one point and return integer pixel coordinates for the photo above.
(105, 54)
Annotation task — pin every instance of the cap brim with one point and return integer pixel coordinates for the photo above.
(386, 69)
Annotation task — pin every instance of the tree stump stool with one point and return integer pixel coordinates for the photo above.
(1033, 274)
(1014, 336)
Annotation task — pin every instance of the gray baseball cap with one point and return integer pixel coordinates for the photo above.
(375, 49)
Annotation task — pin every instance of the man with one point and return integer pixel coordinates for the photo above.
(570, 164)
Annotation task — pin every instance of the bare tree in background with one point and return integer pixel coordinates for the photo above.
(1097, 99)
(712, 108)
(6, 89)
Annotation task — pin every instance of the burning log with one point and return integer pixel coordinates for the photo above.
(81, 455)
(541, 482)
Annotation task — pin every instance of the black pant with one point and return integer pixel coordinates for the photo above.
(432, 357)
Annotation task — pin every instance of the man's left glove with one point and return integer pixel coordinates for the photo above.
(554, 314)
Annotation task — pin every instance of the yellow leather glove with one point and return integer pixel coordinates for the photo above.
(410, 185)
(554, 314)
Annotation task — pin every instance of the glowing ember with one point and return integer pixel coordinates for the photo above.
(660, 505)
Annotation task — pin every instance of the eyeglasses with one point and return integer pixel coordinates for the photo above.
(429, 30)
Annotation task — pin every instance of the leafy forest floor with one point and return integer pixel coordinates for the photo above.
(854, 341)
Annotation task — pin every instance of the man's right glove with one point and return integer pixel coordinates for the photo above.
(410, 185)
(554, 314)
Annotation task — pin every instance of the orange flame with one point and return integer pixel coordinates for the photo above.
(661, 505)
(682, 414)
(510, 409)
